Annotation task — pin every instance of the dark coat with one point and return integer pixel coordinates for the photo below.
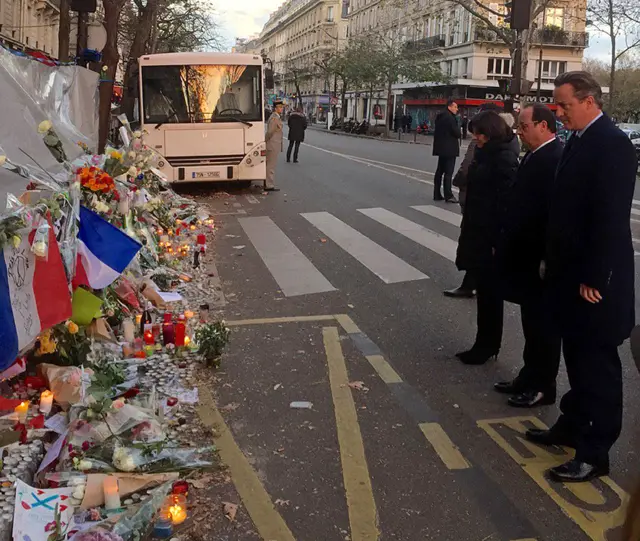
(297, 126)
(447, 134)
(589, 235)
(523, 237)
(491, 175)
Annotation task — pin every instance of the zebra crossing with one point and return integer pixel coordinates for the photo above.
(296, 275)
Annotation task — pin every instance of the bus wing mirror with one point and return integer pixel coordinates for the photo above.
(268, 79)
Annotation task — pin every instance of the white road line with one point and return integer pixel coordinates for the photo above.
(251, 199)
(425, 237)
(636, 202)
(386, 266)
(294, 273)
(442, 214)
(635, 212)
(237, 205)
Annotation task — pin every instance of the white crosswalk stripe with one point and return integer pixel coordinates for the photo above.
(294, 273)
(386, 266)
(429, 239)
(442, 214)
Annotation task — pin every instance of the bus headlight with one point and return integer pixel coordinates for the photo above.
(161, 164)
(256, 153)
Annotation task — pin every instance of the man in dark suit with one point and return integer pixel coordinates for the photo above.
(521, 253)
(590, 275)
(297, 126)
(446, 145)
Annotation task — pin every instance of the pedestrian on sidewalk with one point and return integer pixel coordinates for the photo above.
(520, 255)
(297, 126)
(491, 176)
(446, 145)
(467, 289)
(465, 126)
(590, 274)
(397, 122)
(274, 141)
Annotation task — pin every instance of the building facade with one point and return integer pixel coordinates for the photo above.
(298, 38)
(30, 25)
(250, 45)
(472, 54)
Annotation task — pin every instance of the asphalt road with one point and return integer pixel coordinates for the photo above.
(427, 450)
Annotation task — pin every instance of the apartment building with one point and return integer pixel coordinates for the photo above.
(471, 53)
(297, 38)
(250, 45)
(30, 25)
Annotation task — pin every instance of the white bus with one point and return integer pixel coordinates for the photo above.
(204, 114)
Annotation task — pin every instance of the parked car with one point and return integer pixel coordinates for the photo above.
(633, 135)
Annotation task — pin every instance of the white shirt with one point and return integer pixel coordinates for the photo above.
(544, 144)
(580, 133)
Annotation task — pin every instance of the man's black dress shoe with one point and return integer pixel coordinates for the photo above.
(529, 399)
(509, 387)
(548, 437)
(575, 471)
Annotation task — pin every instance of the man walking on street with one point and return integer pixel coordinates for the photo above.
(273, 139)
(446, 145)
(520, 254)
(590, 275)
(297, 126)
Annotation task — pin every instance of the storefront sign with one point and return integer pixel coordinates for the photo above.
(502, 97)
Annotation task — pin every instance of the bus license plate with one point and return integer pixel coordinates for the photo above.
(208, 174)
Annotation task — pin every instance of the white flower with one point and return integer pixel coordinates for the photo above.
(137, 134)
(44, 127)
(133, 171)
(132, 155)
(3, 160)
(85, 465)
(40, 248)
(101, 206)
(122, 460)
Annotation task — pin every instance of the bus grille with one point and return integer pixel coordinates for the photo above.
(198, 161)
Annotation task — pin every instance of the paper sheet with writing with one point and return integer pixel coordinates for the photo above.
(34, 512)
(53, 453)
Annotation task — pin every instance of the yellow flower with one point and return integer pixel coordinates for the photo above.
(16, 240)
(44, 127)
(116, 155)
(72, 327)
(46, 344)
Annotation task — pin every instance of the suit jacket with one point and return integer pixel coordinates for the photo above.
(523, 236)
(447, 134)
(297, 126)
(274, 135)
(589, 235)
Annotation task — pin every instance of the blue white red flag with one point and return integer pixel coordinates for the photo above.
(104, 251)
(34, 295)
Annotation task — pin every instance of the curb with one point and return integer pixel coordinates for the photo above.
(358, 136)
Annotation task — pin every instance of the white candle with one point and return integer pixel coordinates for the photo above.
(111, 493)
(129, 330)
(46, 402)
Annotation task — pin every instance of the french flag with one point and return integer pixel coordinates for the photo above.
(34, 295)
(104, 251)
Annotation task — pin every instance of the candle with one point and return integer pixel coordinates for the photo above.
(138, 319)
(189, 314)
(148, 338)
(176, 508)
(164, 239)
(22, 409)
(111, 493)
(128, 329)
(180, 332)
(168, 333)
(46, 402)
(187, 340)
(167, 317)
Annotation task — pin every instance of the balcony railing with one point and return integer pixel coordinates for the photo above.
(427, 44)
(540, 36)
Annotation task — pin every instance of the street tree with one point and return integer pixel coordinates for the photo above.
(298, 73)
(626, 103)
(619, 20)
(64, 31)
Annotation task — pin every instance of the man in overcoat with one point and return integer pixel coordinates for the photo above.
(274, 140)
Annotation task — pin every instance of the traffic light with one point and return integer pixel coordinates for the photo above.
(518, 15)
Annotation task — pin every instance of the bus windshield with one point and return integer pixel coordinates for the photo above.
(201, 93)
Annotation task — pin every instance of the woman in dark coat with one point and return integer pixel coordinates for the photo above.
(491, 175)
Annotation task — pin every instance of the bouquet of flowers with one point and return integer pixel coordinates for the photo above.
(52, 141)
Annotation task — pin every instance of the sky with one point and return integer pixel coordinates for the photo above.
(242, 18)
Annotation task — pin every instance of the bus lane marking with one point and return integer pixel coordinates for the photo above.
(597, 507)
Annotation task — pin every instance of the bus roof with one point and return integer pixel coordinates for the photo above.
(180, 59)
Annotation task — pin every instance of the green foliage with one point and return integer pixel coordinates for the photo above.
(211, 339)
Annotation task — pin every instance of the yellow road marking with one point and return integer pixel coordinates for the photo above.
(357, 482)
(267, 520)
(384, 369)
(442, 444)
(347, 324)
(597, 507)
(276, 320)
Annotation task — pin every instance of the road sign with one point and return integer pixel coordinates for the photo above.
(334, 100)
